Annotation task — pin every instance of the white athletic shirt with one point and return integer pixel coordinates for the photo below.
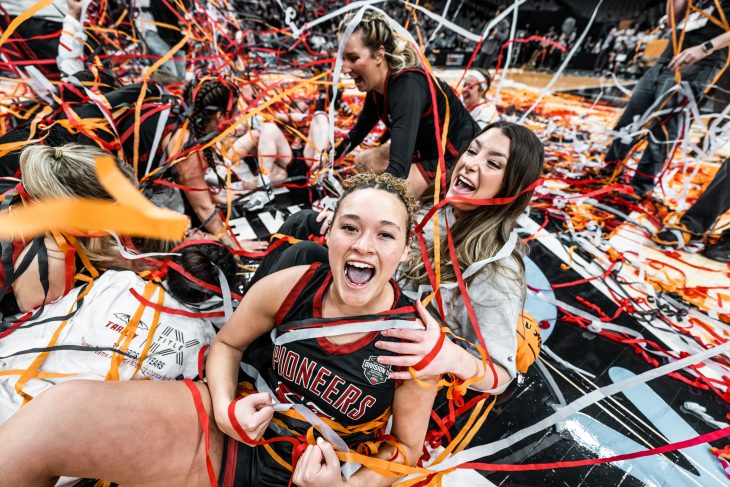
(55, 12)
(484, 113)
(104, 313)
(497, 302)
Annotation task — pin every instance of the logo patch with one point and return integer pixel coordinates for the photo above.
(125, 318)
(376, 373)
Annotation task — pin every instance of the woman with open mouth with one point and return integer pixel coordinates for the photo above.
(503, 161)
(324, 320)
(399, 93)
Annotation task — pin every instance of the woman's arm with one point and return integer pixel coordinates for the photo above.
(191, 172)
(365, 123)
(693, 54)
(451, 358)
(27, 287)
(253, 318)
(412, 406)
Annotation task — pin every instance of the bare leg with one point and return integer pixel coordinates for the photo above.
(274, 151)
(376, 159)
(318, 138)
(134, 433)
(415, 182)
(246, 144)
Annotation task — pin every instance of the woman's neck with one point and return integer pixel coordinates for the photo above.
(333, 305)
(382, 82)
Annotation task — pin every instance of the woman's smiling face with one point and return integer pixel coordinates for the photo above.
(368, 69)
(472, 92)
(479, 172)
(367, 241)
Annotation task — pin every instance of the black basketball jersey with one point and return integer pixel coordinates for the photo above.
(342, 382)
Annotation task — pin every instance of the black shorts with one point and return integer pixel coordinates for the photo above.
(244, 466)
(428, 167)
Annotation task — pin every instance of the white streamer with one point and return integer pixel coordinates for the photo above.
(579, 404)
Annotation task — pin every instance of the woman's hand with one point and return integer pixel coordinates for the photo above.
(244, 244)
(253, 412)
(197, 234)
(325, 216)
(415, 345)
(318, 466)
(687, 58)
(253, 245)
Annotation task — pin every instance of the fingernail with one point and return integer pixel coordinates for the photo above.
(319, 440)
(384, 333)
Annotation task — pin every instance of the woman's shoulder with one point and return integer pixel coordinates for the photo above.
(409, 77)
(281, 283)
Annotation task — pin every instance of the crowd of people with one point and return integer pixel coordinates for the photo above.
(339, 331)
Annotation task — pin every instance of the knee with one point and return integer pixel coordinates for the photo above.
(269, 130)
(364, 158)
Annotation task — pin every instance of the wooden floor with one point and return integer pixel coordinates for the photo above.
(540, 79)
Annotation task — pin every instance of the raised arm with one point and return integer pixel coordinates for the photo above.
(71, 43)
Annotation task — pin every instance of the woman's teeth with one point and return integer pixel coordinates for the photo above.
(359, 273)
(464, 184)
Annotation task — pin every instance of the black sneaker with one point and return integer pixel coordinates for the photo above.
(720, 250)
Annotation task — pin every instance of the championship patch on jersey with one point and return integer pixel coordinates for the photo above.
(376, 373)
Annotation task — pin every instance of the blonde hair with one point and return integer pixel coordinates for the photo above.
(376, 32)
(69, 171)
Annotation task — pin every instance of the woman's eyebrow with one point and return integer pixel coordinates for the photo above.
(496, 153)
(352, 216)
(389, 223)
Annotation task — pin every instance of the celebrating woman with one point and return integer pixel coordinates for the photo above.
(503, 161)
(400, 94)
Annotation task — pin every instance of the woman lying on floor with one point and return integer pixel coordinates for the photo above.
(64, 333)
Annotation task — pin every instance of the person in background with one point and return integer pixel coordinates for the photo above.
(701, 217)
(398, 93)
(474, 96)
(701, 56)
